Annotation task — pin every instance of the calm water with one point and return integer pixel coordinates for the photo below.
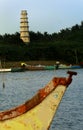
(23, 85)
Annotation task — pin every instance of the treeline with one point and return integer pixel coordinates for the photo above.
(10, 38)
(65, 46)
(73, 33)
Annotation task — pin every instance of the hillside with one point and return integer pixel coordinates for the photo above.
(65, 46)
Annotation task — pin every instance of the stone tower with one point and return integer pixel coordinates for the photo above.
(24, 28)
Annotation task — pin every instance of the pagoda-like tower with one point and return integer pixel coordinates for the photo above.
(24, 28)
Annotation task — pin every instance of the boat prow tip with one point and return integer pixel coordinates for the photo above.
(69, 79)
(71, 73)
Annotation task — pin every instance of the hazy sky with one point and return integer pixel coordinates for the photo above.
(43, 15)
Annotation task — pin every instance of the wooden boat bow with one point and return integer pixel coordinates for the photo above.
(56, 87)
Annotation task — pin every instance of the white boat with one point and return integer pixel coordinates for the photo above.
(5, 70)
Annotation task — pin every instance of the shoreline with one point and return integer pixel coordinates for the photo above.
(12, 64)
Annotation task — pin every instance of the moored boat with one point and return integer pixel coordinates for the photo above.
(18, 69)
(38, 112)
(50, 67)
(5, 70)
(32, 67)
(64, 66)
(76, 67)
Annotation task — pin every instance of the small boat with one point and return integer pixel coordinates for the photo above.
(50, 67)
(32, 67)
(76, 67)
(38, 112)
(5, 70)
(64, 66)
(18, 69)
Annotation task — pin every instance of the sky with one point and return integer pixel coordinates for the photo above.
(43, 15)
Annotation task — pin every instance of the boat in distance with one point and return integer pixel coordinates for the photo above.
(27, 67)
(38, 112)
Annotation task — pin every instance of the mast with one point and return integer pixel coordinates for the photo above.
(24, 28)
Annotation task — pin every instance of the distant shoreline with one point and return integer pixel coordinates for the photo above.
(12, 64)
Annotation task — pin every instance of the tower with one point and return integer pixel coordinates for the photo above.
(24, 28)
